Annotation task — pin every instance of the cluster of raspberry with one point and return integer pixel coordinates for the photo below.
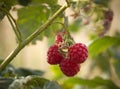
(69, 55)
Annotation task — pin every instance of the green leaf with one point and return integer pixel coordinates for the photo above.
(24, 2)
(36, 14)
(5, 82)
(36, 81)
(30, 18)
(116, 65)
(9, 71)
(93, 83)
(51, 85)
(101, 44)
(49, 2)
(25, 72)
(6, 5)
(115, 51)
(29, 82)
(101, 61)
(102, 2)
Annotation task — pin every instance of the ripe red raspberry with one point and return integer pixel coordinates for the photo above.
(54, 56)
(78, 52)
(69, 68)
(58, 39)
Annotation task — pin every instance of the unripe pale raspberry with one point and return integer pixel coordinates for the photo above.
(53, 55)
(78, 52)
(69, 68)
(58, 39)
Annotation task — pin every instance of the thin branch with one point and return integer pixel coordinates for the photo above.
(68, 3)
(16, 29)
(66, 26)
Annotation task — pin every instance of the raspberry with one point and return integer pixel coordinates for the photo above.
(78, 52)
(58, 39)
(69, 68)
(54, 56)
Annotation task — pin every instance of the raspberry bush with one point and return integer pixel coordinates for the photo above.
(67, 56)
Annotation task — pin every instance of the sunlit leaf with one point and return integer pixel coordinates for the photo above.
(56, 71)
(93, 83)
(101, 44)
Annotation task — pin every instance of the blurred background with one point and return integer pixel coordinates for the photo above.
(35, 56)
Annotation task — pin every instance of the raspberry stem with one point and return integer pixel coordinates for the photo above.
(13, 22)
(67, 36)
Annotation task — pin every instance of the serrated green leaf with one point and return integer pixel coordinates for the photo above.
(93, 83)
(31, 17)
(101, 44)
